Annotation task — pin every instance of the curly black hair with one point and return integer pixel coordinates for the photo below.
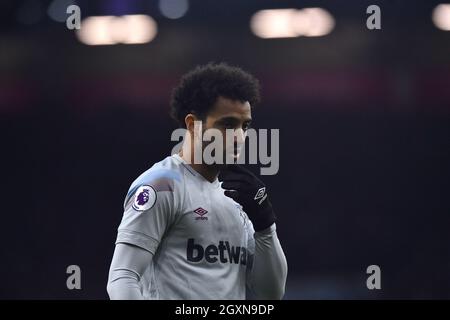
(199, 89)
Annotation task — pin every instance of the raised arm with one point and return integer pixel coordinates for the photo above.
(267, 277)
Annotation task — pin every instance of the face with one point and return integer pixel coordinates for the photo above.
(230, 114)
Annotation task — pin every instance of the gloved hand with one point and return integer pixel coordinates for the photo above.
(246, 189)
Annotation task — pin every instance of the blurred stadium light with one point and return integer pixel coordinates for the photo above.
(173, 9)
(441, 17)
(273, 23)
(57, 9)
(288, 23)
(107, 30)
(313, 22)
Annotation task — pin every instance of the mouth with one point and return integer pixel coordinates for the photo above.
(234, 151)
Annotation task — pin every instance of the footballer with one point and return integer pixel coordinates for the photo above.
(195, 230)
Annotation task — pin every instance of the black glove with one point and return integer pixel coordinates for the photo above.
(246, 189)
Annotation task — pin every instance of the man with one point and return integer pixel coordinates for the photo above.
(184, 234)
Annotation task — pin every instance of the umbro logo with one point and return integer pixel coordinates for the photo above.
(261, 194)
(201, 212)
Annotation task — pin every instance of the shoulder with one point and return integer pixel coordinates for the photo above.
(166, 175)
(163, 174)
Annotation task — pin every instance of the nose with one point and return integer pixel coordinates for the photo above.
(239, 137)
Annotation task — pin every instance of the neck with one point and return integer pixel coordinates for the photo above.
(209, 172)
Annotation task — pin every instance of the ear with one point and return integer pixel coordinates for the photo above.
(189, 122)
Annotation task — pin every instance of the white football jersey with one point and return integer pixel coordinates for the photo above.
(201, 240)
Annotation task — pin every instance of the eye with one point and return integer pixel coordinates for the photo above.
(228, 125)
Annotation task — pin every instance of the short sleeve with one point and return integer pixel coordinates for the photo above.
(150, 209)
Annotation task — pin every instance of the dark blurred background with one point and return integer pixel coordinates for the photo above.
(364, 119)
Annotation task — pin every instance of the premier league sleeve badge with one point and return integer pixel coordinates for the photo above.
(144, 198)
